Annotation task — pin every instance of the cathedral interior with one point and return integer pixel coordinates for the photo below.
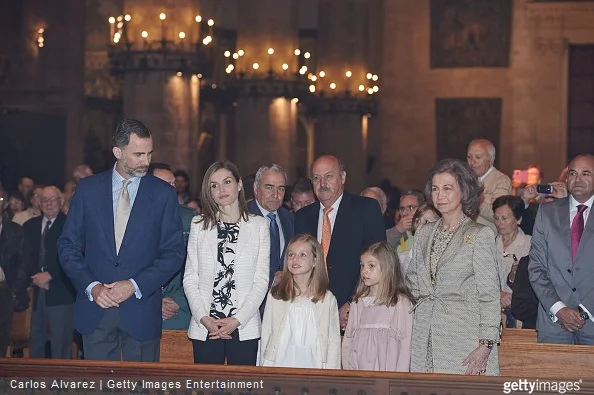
(391, 86)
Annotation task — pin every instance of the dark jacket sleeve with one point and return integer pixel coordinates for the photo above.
(23, 267)
(524, 303)
(374, 223)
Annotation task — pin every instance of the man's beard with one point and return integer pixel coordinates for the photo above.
(135, 172)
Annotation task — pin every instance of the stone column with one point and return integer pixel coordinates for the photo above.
(265, 120)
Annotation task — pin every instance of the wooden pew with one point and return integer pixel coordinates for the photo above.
(176, 347)
(540, 360)
(519, 355)
(518, 335)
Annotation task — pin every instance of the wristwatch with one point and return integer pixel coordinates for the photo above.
(488, 342)
(583, 313)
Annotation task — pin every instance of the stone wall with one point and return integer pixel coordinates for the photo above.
(533, 88)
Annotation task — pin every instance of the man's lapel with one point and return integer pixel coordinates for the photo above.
(341, 222)
(563, 217)
(140, 209)
(105, 210)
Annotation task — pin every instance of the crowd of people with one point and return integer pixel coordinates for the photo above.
(308, 276)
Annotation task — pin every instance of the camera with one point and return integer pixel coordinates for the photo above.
(544, 189)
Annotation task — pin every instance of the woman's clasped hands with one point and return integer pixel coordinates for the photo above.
(221, 328)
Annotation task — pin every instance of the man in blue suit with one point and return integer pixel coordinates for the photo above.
(269, 189)
(121, 242)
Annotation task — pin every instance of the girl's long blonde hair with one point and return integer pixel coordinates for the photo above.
(287, 290)
(392, 283)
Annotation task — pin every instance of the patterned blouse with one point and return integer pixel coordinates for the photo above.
(224, 297)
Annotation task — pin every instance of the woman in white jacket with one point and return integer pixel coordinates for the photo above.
(226, 275)
(301, 327)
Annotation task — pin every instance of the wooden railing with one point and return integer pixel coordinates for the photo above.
(519, 355)
(274, 381)
(521, 359)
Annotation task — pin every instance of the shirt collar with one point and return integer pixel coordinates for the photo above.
(574, 203)
(264, 211)
(117, 178)
(481, 178)
(335, 205)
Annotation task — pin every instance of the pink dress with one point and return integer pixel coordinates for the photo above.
(378, 337)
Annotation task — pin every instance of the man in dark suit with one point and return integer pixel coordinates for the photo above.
(54, 294)
(122, 241)
(14, 272)
(343, 223)
(562, 260)
(269, 189)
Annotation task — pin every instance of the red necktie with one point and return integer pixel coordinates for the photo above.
(577, 228)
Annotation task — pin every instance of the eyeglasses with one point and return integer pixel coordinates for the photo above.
(403, 209)
(50, 200)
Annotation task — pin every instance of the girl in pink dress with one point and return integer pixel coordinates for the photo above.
(379, 330)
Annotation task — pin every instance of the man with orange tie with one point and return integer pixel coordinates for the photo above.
(561, 266)
(343, 223)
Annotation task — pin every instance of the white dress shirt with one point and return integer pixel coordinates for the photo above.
(572, 213)
(331, 216)
(481, 178)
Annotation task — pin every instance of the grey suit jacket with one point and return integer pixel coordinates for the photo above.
(551, 273)
(464, 305)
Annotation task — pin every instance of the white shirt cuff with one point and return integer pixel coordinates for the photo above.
(586, 310)
(555, 309)
(137, 290)
(89, 288)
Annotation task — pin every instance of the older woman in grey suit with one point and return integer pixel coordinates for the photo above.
(453, 275)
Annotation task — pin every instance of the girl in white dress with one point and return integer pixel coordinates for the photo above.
(301, 327)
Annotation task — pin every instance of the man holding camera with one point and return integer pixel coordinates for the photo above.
(561, 266)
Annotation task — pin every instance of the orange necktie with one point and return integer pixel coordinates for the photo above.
(326, 233)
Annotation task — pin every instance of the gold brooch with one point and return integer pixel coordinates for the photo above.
(469, 239)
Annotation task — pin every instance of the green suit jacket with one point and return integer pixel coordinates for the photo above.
(174, 288)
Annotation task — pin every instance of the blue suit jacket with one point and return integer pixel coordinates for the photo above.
(151, 252)
(287, 220)
(358, 224)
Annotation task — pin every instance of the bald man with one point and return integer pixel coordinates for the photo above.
(54, 294)
(344, 224)
(480, 157)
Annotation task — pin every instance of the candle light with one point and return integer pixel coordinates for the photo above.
(199, 22)
(210, 26)
(322, 74)
(332, 86)
(162, 17)
(111, 27)
(270, 52)
(227, 56)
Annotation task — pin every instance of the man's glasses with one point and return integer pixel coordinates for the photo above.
(50, 200)
(410, 208)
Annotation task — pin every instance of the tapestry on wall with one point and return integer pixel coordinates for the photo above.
(470, 33)
(458, 121)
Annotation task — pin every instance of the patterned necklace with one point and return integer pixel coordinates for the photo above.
(443, 236)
